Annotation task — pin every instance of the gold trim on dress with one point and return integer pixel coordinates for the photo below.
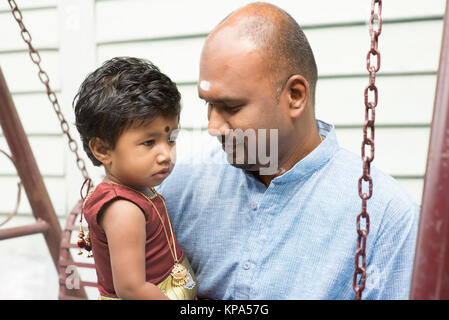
(102, 297)
(188, 291)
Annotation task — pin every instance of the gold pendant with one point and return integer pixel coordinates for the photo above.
(179, 274)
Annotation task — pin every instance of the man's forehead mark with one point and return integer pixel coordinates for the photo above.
(167, 129)
(205, 85)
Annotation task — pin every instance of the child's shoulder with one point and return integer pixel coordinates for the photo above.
(104, 193)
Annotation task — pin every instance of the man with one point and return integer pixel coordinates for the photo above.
(251, 232)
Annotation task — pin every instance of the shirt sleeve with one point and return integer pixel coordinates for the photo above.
(389, 272)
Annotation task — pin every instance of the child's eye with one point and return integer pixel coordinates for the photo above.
(149, 143)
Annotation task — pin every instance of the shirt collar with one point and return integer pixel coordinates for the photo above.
(315, 159)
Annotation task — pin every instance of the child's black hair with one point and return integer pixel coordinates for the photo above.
(123, 90)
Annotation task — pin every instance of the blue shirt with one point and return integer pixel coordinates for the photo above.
(297, 238)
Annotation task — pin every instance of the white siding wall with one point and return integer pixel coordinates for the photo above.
(74, 37)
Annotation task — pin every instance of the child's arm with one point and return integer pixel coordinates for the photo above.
(124, 225)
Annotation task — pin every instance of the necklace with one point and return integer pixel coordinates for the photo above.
(179, 272)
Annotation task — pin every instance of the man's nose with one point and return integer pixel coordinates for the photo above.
(218, 125)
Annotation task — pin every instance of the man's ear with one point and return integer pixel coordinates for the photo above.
(101, 150)
(298, 93)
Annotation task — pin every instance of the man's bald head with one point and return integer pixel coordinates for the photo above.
(277, 35)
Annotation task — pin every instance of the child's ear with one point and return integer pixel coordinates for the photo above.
(101, 150)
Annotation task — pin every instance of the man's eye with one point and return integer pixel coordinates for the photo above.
(149, 143)
(208, 104)
(234, 109)
(173, 137)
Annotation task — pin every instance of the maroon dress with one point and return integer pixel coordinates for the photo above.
(158, 258)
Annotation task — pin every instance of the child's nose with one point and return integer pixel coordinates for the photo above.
(164, 154)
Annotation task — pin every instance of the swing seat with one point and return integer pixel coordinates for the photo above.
(73, 271)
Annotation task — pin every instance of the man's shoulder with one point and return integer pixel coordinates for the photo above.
(387, 191)
(391, 209)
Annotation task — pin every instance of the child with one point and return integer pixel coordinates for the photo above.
(127, 112)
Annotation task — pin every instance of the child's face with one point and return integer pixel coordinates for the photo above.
(144, 154)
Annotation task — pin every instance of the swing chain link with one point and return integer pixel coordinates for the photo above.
(43, 77)
(375, 29)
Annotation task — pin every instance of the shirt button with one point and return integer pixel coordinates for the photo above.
(246, 265)
(254, 206)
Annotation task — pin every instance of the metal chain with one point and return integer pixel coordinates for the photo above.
(43, 77)
(375, 28)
